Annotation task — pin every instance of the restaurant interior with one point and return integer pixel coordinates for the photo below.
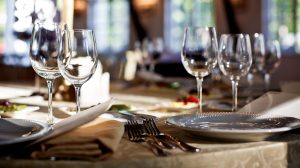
(152, 83)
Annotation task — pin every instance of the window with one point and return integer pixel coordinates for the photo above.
(284, 23)
(181, 13)
(20, 16)
(2, 24)
(110, 21)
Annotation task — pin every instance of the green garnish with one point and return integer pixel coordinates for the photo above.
(119, 107)
(12, 107)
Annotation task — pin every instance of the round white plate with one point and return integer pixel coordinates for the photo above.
(13, 131)
(233, 126)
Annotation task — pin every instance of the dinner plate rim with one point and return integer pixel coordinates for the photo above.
(234, 131)
(43, 131)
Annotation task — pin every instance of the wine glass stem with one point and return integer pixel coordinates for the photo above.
(50, 119)
(77, 91)
(152, 67)
(267, 81)
(199, 91)
(250, 88)
(250, 79)
(234, 95)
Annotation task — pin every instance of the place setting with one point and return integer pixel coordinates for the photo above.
(149, 83)
(56, 51)
(234, 59)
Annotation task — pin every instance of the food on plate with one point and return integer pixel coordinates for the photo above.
(188, 99)
(183, 105)
(6, 106)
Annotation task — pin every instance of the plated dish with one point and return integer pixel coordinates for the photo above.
(17, 113)
(233, 126)
(13, 131)
(13, 110)
(176, 107)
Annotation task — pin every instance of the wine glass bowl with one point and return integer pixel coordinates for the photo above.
(78, 64)
(157, 51)
(258, 53)
(272, 60)
(235, 59)
(45, 48)
(199, 51)
(199, 54)
(258, 56)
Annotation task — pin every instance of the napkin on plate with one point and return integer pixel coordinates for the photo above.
(95, 140)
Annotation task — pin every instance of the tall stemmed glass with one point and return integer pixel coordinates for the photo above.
(157, 50)
(271, 61)
(45, 48)
(79, 64)
(258, 55)
(199, 54)
(235, 59)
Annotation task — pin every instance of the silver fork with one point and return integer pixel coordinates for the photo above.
(153, 130)
(135, 134)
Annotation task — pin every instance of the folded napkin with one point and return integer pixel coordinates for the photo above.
(291, 87)
(274, 104)
(95, 140)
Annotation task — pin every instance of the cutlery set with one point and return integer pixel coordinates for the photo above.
(159, 143)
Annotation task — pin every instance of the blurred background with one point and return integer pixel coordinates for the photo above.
(128, 25)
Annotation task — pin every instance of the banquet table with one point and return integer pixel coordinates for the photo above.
(280, 151)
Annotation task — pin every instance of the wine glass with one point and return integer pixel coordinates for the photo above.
(156, 50)
(78, 64)
(258, 55)
(45, 48)
(199, 54)
(271, 61)
(235, 59)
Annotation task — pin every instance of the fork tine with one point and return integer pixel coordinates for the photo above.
(147, 128)
(153, 126)
(137, 135)
(129, 131)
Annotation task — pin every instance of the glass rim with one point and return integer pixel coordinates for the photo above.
(49, 23)
(258, 34)
(81, 30)
(200, 27)
(236, 35)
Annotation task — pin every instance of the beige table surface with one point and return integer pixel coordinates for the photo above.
(282, 151)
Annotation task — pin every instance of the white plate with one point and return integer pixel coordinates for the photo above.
(233, 126)
(13, 131)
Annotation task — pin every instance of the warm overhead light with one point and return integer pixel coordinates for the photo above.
(145, 4)
(80, 6)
